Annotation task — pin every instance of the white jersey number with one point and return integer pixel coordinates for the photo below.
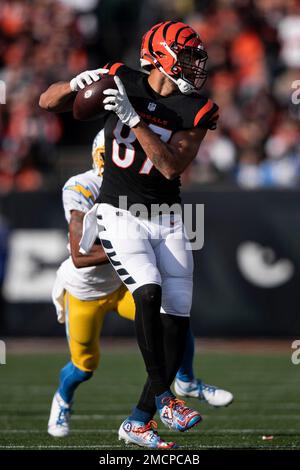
(128, 158)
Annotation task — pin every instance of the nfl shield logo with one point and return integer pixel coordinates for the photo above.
(151, 106)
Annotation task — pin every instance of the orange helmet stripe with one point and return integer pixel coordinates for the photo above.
(175, 30)
(154, 33)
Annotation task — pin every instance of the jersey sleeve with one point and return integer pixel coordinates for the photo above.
(206, 115)
(77, 195)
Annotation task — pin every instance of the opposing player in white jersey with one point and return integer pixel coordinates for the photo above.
(86, 288)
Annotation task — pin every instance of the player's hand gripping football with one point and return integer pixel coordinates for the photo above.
(86, 78)
(117, 101)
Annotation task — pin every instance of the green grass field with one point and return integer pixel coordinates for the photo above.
(266, 389)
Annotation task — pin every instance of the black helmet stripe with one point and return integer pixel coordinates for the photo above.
(191, 36)
(151, 39)
(179, 31)
(166, 27)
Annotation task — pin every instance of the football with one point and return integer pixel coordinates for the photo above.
(88, 104)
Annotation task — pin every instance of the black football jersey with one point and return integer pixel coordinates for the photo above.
(128, 172)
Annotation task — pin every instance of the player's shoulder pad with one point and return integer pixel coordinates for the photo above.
(205, 112)
(123, 71)
(81, 185)
(113, 67)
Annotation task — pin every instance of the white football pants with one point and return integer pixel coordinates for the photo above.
(154, 251)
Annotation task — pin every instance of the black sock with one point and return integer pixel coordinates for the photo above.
(149, 332)
(175, 333)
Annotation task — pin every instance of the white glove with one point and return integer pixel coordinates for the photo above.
(117, 101)
(86, 78)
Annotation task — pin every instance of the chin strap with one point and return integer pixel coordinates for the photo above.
(185, 87)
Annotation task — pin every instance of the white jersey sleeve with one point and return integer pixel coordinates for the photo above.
(80, 192)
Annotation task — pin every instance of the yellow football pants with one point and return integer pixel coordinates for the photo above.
(84, 320)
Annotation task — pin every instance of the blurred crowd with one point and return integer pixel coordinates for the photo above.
(254, 62)
(40, 42)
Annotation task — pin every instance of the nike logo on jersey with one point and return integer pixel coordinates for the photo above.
(151, 106)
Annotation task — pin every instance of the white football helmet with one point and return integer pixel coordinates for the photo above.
(98, 152)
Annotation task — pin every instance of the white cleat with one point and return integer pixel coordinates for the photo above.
(197, 389)
(143, 435)
(58, 425)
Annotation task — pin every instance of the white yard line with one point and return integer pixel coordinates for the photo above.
(214, 432)
(21, 406)
(119, 446)
(111, 446)
(94, 417)
(235, 408)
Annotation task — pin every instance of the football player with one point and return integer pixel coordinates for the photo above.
(154, 126)
(86, 288)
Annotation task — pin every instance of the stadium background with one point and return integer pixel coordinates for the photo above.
(247, 175)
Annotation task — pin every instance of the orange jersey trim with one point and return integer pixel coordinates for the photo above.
(115, 67)
(209, 105)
